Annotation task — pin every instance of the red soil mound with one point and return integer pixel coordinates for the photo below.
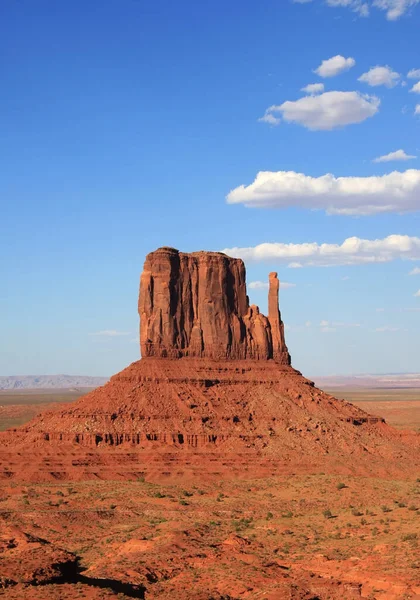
(30, 560)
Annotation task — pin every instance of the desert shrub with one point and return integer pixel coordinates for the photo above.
(341, 486)
(386, 509)
(409, 537)
(356, 513)
(287, 515)
(187, 494)
(158, 495)
(269, 516)
(242, 524)
(215, 523)
(412, 507)
(286, 549)
(327, 513)
(183, 502)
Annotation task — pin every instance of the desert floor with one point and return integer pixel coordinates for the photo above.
(300, 536)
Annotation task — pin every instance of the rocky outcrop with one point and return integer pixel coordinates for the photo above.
(196, 305)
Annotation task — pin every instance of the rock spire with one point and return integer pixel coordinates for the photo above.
(196, 305)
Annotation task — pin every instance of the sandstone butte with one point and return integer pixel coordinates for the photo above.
(213, 396)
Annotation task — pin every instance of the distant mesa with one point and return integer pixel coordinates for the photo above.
(44, 382)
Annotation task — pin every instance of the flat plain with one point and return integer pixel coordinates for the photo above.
(20, 406)
(398, 406)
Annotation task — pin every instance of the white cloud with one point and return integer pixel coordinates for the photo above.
(110, 333)
(417, 294)
(359, 6)
(387, 328)
(414, 74)
(394, 9)
(417, 109)
(416, 88)
(353, 251)
(338, 324)
(270, 118)
(397, 155)
(394, 192)
(415, 271)
(380, 76)
(263, 285)
(334, 66)
(313, 88)
(326, 111)
(346, 278)
(258, 285)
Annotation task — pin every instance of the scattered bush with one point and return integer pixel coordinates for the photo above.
(409, 537)
(327, 513)
(341, 486)
(158, 495)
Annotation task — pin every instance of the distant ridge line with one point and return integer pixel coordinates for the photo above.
(33, 382)
(382, 381)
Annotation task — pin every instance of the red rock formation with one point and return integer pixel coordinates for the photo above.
(195, 305)
(214, 389)
(280, 352)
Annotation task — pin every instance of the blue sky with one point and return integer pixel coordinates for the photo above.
(130, 124)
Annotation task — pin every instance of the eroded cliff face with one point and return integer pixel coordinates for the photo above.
(196, 305)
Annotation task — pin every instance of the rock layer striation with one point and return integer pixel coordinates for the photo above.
(196, 305)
